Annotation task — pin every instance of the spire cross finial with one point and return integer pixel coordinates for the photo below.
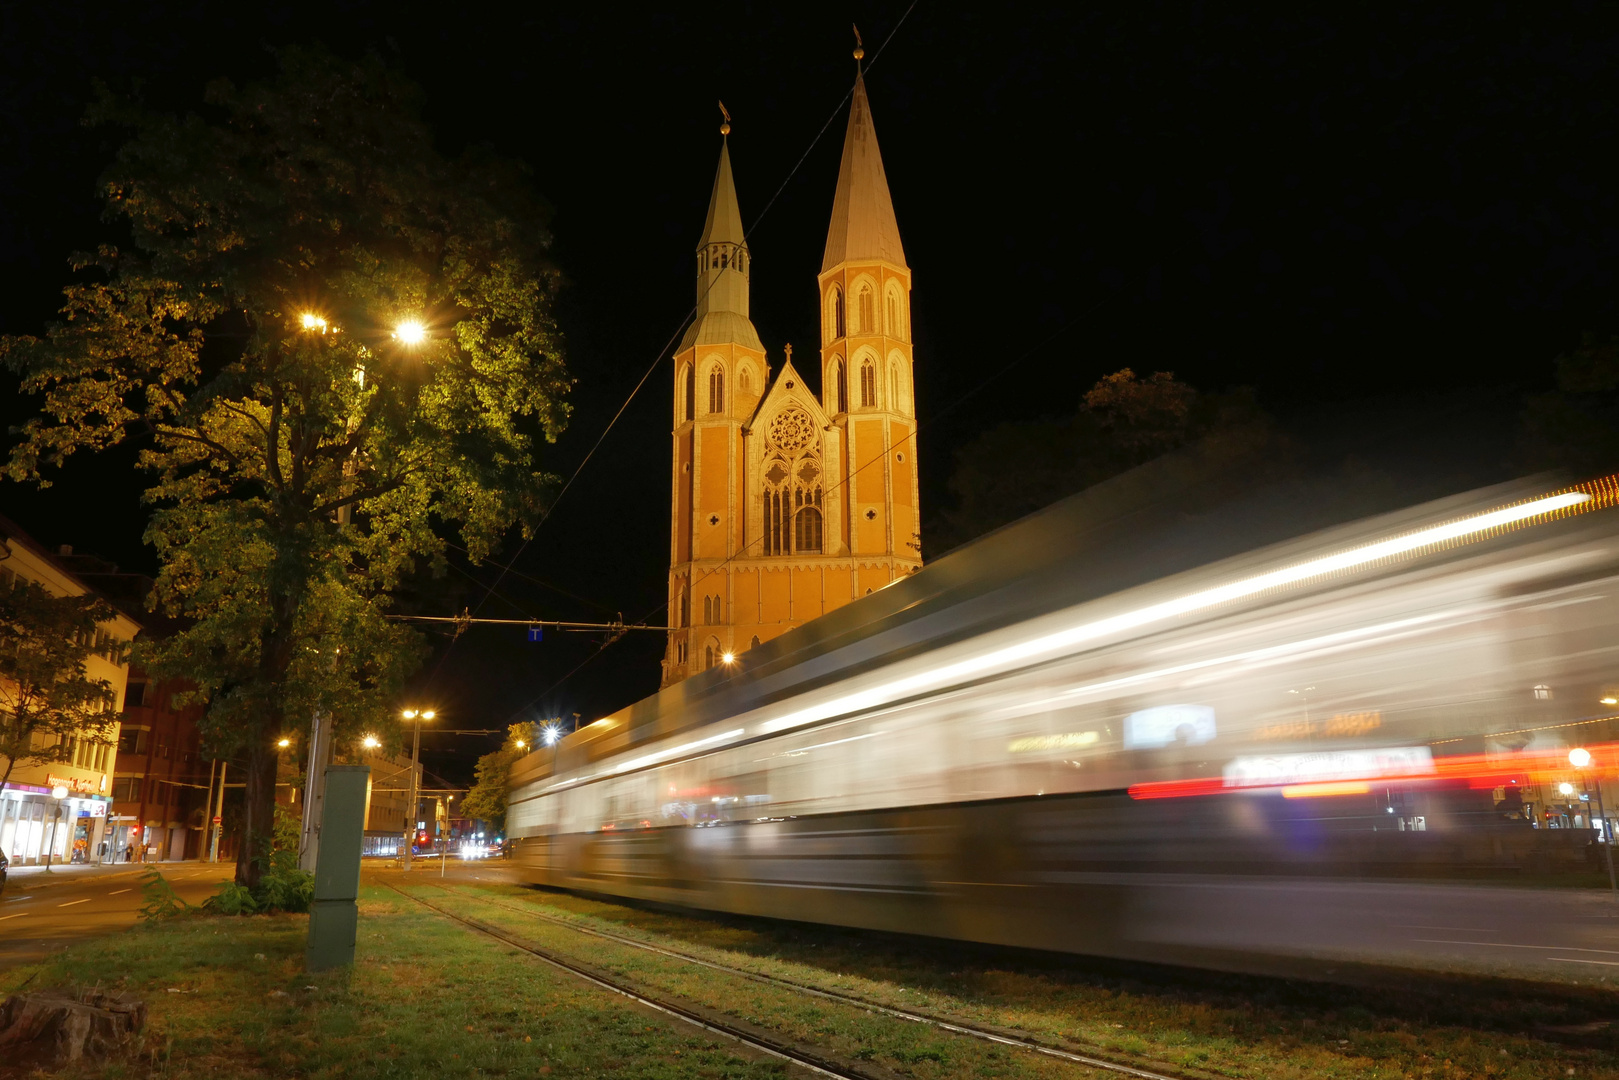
(859, 49)
(725, 128)
(788, 349)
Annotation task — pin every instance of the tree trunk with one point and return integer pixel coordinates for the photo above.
(258, 819)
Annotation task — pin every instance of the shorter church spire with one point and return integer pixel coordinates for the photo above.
(723, 263)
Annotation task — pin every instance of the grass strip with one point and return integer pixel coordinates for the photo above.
(1245, 1027)
(426, 999)
(846, 1031)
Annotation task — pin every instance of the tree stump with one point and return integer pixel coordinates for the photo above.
(52, 1029)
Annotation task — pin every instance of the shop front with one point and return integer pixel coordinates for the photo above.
(57, 825)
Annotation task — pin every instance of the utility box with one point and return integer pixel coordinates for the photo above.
(335, 915)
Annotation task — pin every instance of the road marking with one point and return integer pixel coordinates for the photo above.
(115, 892)
(19, 915)
(1572, 960)
(70, 903)
(1506, 945)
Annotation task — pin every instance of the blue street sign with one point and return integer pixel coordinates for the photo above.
(536, 633)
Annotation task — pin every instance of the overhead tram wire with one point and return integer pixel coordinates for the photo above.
(674, 337)
(960, 400)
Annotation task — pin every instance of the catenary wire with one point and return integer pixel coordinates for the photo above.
(659, 358)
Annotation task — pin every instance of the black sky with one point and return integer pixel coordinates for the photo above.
(1384, 204)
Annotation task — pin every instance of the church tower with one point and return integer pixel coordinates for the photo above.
(786, 504)
(866, 374)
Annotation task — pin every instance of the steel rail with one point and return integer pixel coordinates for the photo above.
(955, 1026)
(817, 1065)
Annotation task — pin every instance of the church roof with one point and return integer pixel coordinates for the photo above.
(863, 225)
(724, 224)
(721, 328)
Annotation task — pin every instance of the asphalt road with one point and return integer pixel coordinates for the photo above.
(40, 914)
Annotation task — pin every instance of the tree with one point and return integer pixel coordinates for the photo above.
(1015, 469)
(336, 345)
(486, 801)
(47, 700)
(1576, 426)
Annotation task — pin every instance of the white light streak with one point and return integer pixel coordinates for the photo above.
(1048, 645)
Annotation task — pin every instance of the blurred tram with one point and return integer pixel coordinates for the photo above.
(1140, 729)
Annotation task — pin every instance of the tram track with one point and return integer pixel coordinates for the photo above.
(750, 1037)
(957, 1027)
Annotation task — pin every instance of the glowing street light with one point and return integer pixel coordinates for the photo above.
(1580, 758)
(728, 658)
(416, 717)
(283, 743)
(370, 742)
(1565, 788)
(551, 734)
(410, 332)
(314, 322)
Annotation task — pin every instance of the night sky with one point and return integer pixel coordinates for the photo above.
(1389, 220)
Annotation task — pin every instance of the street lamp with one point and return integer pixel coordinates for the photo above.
(1580, 758)
(370, 742)
(416, 717)
(313, 322)
(59, 792)
(728, 658)
(410, 332)
(283, 743)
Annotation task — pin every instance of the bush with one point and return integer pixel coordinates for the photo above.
(159, 900)
(231, 899)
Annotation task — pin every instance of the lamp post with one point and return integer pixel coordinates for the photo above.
(58, 793)
(1580, 758)
(416, 717)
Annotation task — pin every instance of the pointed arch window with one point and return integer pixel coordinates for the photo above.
(744, 381)
(868, 319)
(708, 657)
(807, 529)
(893, 315)
(837, 312)
(716, 390)
(690, 404)
(755, 643)
(893, 385)
(868, 385)
(840, 382)
(685, 606)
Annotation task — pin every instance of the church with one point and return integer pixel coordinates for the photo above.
(786, 504)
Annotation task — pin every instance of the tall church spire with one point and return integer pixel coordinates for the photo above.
(863, 226)
(724, 224)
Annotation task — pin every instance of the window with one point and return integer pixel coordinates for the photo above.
(868, 321)
(744, 381)
(131, 741)
(868, 385)
(691, 392)
(685, 607)
(755, 642)
(894, 329)
(708, 657)
(716, 390)
(135, 694)
(837, 312)
(893, 386)
(841, 382)
(126, 789)
(807, 530)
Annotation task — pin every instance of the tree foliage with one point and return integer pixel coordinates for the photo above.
(1014, 469)
(487, 800)
(47, 698)
(307, 452)
(1576, 426)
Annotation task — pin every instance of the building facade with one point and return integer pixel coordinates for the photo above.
(59, 810)
(164, 788)
(787, 502)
